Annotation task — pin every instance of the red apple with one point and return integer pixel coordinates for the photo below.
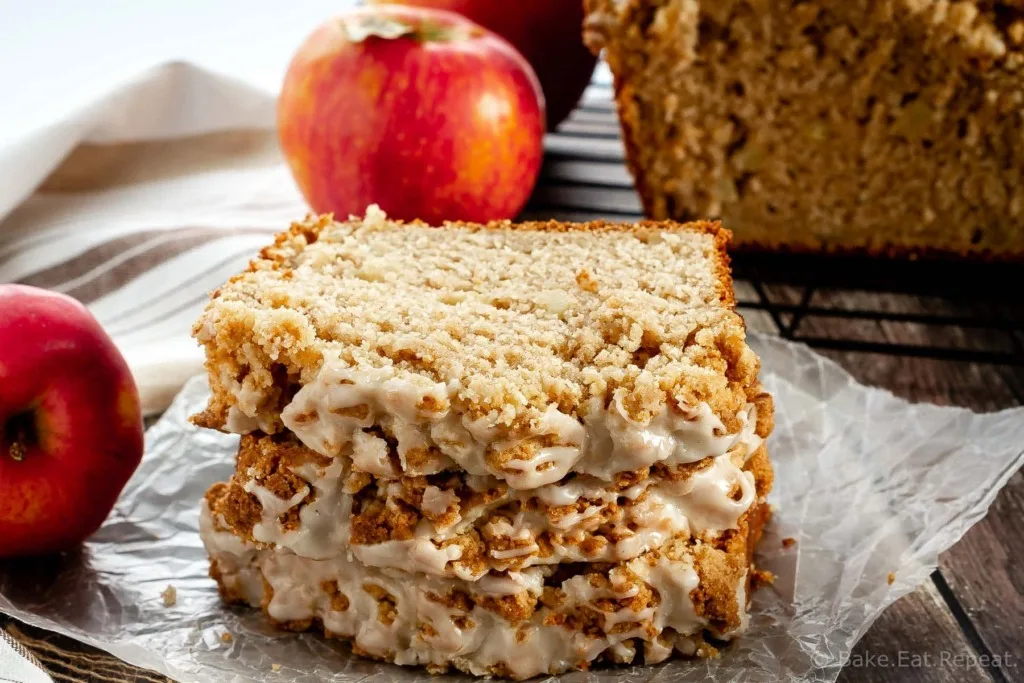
(549, 33)
(419, 111)
(70, 422)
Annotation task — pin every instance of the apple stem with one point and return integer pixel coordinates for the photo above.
(20, 433)
(17, 451)
(359, 28)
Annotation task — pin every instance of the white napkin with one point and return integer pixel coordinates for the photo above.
(141, 231)
(17, 665)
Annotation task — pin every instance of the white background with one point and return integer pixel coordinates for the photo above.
(57, 56)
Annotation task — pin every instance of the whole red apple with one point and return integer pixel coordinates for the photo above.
(419, 111)
(549, 33)
(70, 422)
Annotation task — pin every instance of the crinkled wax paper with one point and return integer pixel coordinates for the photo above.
(866, 483)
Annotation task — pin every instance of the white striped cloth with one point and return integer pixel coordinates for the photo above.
(153, 196)
(142, 250)
(17, 664)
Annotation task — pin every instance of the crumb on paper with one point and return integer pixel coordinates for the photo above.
(226, 637)
(892, 578)
(788, 542)
(170, 596)
(275, 667)
(761, 577)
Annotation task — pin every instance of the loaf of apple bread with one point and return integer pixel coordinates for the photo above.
(875, 126)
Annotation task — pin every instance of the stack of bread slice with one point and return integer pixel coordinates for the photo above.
(504, 449)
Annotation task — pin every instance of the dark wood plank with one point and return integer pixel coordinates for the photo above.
(790, 296)
(967, 281)
(886, 327)
(985, 573)
(605, 199)
(916, 639)
(1014, 378)
(586, 173)
(977, 386)
(757, 319)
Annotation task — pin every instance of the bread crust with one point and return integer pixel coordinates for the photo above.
(904, 149)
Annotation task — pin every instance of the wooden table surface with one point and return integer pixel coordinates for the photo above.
(951, 334)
